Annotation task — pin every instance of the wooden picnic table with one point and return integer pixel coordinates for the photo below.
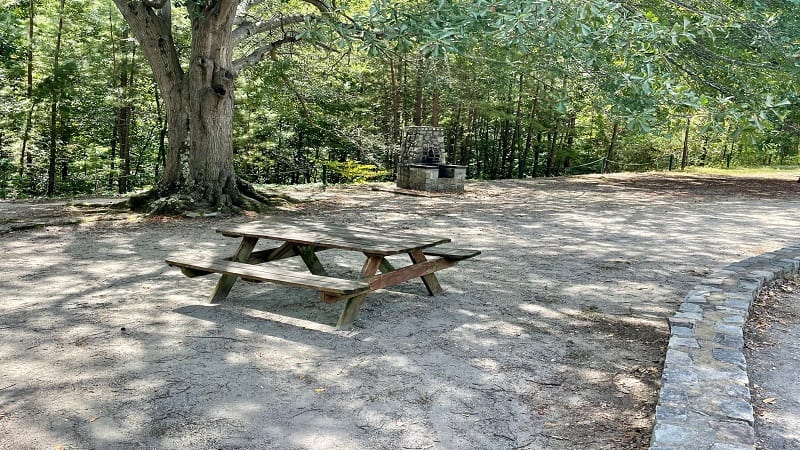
(305, 238)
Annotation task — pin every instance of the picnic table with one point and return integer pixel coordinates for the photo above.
(304, 239)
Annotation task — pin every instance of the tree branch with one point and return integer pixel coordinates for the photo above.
(248, 28)
(697, 77)
(153, 31)
(245, 5)
(260, 53)
(155, 4)
(321, 6)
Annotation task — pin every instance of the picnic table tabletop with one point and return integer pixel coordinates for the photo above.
(345, 237)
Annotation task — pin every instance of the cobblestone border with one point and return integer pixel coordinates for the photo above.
(704, 402)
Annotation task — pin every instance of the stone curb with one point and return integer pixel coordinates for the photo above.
(704, 402)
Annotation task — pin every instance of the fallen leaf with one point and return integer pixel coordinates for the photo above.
(319, 390)
(94, 418)
(769, 400)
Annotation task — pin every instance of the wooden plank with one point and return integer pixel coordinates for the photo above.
(346, 238)
(311, 260)
(429, 279)
(261, 256)
(402, 274)
(329, 298)
(318, 226)
(277, 275)
(386, 266)
(284, 251)
(226, 281)
(456, 254)
(353, 305)
(191, 273)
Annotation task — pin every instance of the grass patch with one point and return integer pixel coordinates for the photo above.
(788, 171)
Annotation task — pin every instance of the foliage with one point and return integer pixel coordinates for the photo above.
(521, 88)
(353, 172)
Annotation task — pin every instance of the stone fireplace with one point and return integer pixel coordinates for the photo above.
(422, 163)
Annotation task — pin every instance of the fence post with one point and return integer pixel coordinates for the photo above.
(324, 175)
(671, 161)
(728, 162)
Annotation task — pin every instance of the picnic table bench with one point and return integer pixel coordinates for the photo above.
(305, 239)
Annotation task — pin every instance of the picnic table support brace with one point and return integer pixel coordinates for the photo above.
(309, 256)
(226, 282)
(353, 305)
(430, 280)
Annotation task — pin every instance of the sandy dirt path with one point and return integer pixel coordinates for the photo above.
(552, 338)
(773, 358)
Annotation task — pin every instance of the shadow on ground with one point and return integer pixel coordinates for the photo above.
(552, 338)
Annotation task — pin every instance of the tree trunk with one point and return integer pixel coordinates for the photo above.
(123, 114)
(704, 155)
(417, 116)
(685, 154)
(29, 89)
(395, 104)
(114, 130)
(469, 139)
(53, 147)
(198, 102)
(505, 131)
(517, 132)
(551, 151)
(435, 106)
(523, 164)
(210, 91)
(456, 128)
(537, 149)
(610, 152)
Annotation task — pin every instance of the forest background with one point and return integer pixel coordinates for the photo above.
(522, 88)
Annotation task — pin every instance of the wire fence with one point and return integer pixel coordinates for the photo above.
(605, 165)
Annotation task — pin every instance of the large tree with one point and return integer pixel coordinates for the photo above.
(642, 58)
(198, 85)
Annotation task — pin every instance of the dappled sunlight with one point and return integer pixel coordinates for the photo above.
(552, 338)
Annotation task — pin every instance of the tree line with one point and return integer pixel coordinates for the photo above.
(102, 97)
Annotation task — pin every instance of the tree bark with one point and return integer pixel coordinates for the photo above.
(418, 88)
(198, 102)
(162, 133)
(123, 115)
(435, 105)
(551, 151)
(56, 94)
(29, 89)
(523, 165)
(685, 154)
(515, 138)
(395, 104)
(611, 145)
(210, 105)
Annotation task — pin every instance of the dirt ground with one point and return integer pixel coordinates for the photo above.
(772, 351)
(552, 338)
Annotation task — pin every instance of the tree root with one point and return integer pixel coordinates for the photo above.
(248, 190)
(160, 202)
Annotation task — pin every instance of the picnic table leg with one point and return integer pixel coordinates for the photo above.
(430, 280)
(311, 260)
(226, 282)
(386, 266)
(350, 312)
